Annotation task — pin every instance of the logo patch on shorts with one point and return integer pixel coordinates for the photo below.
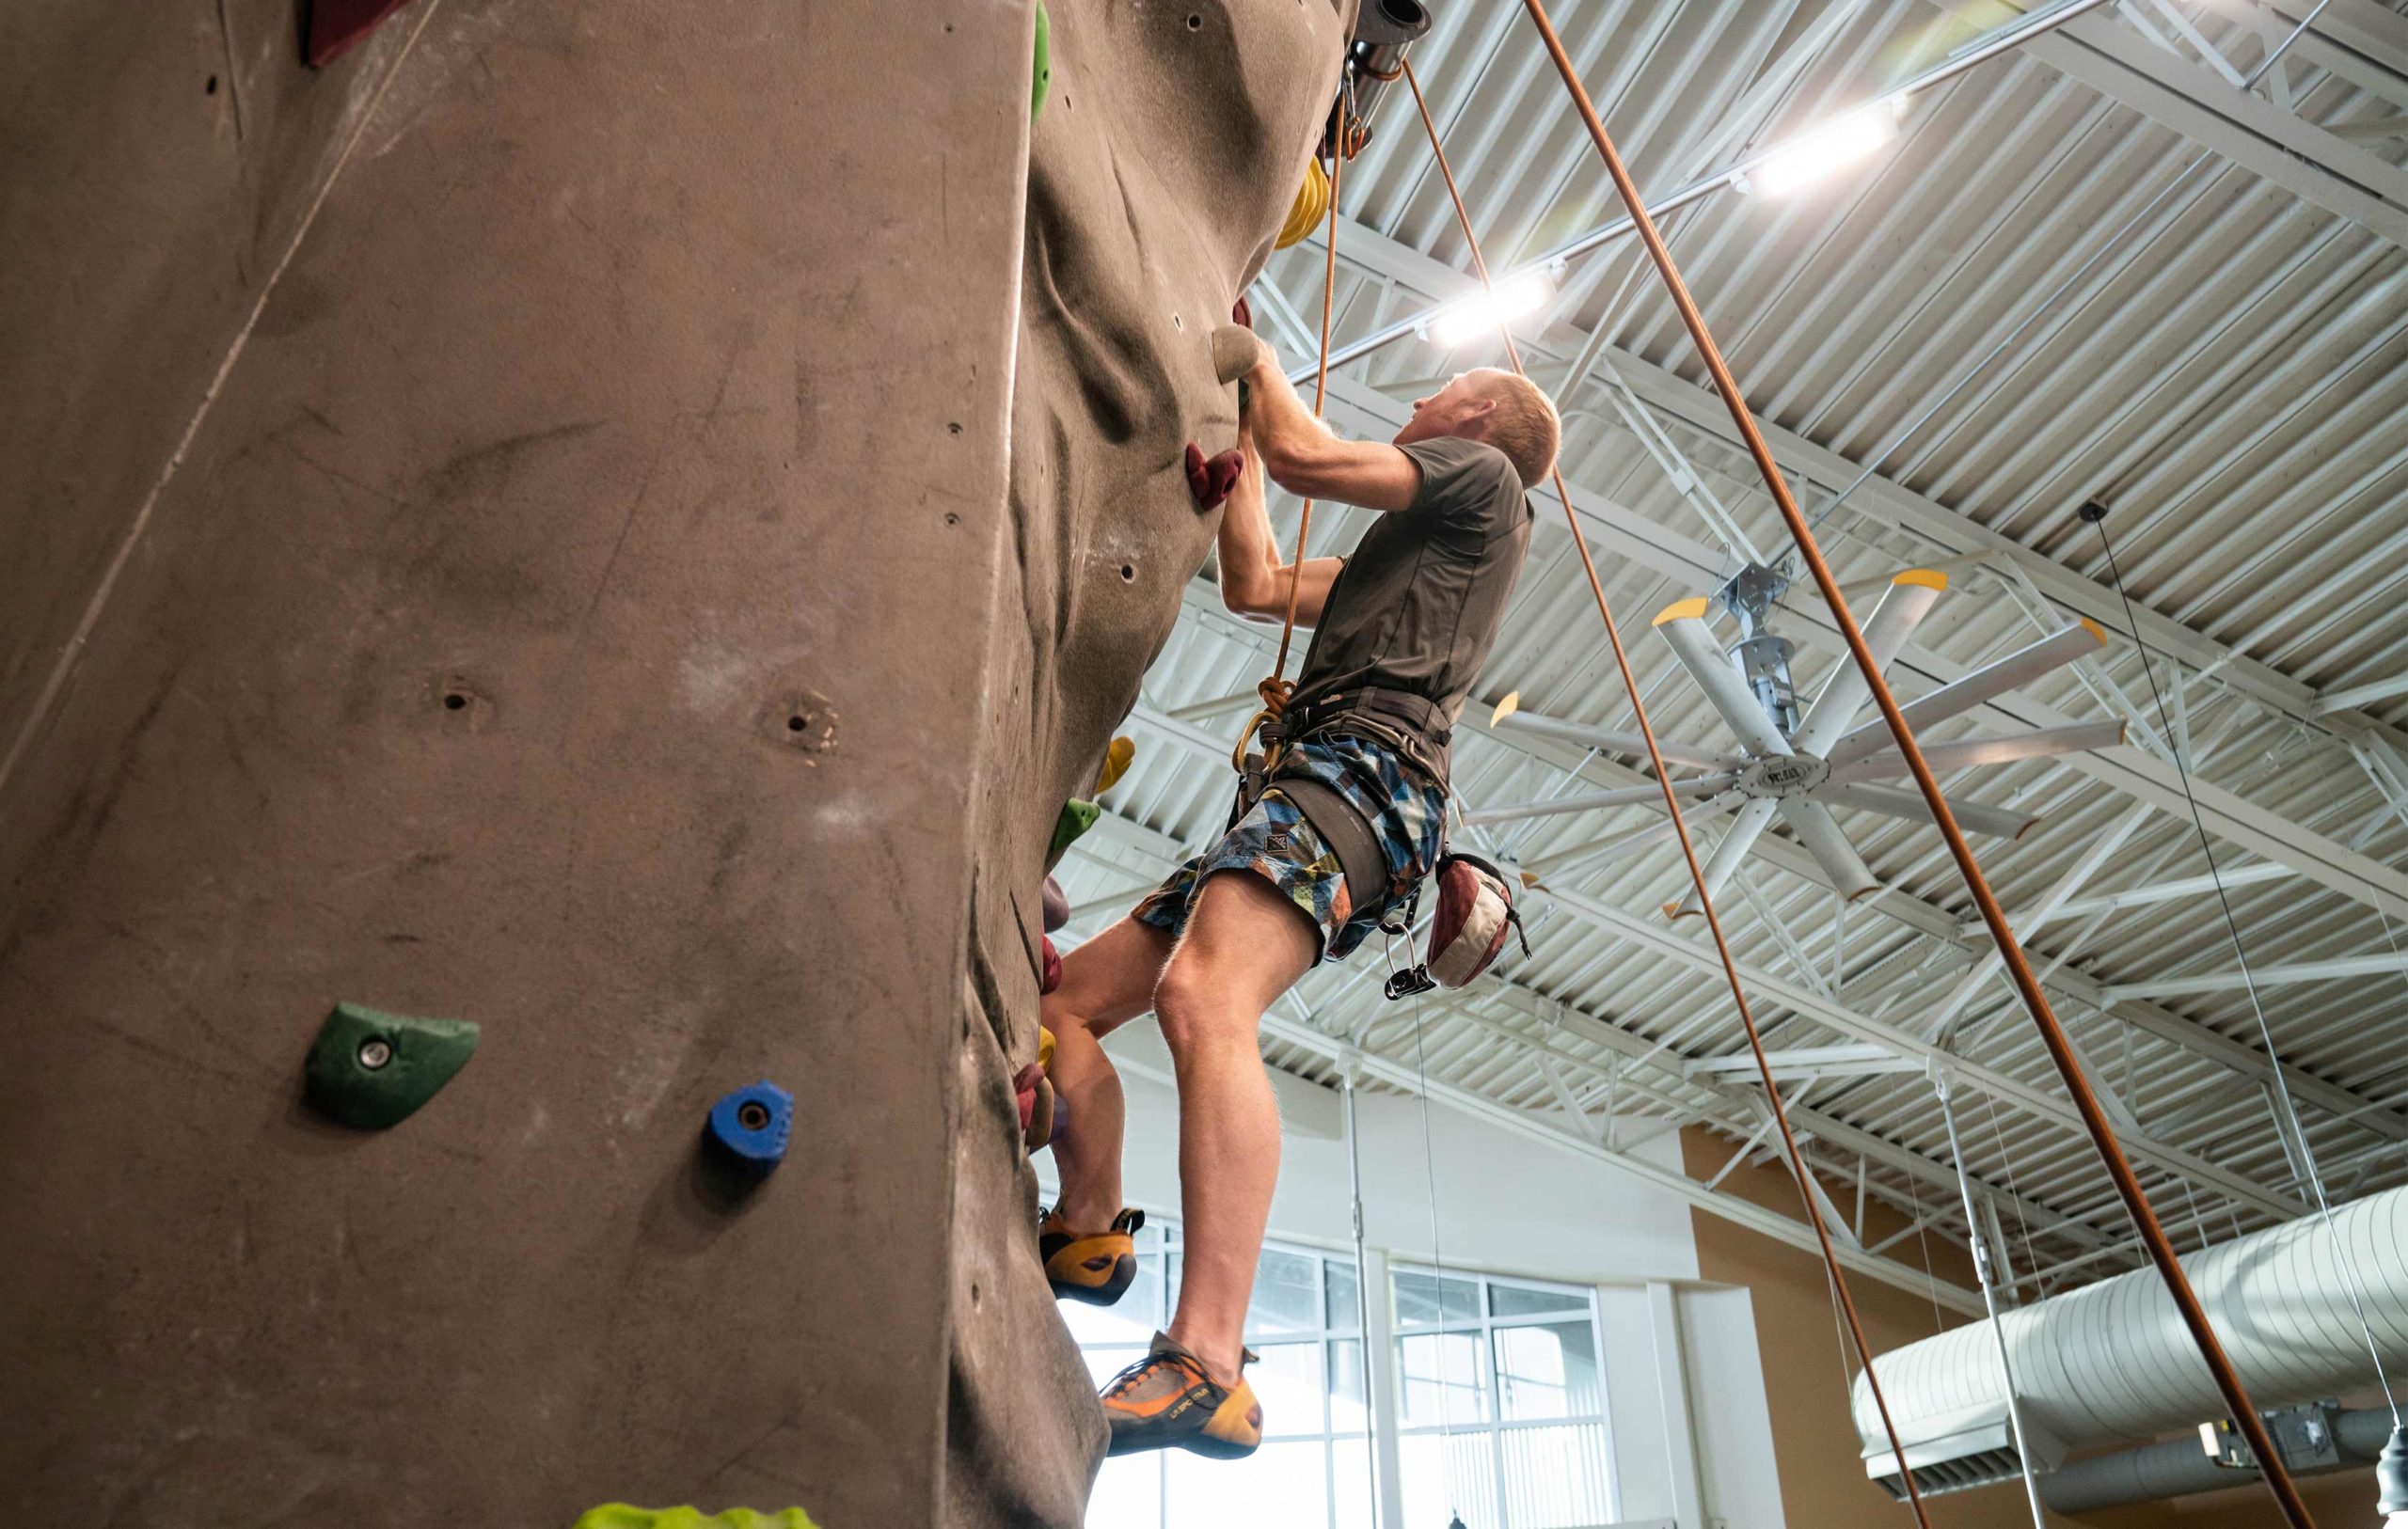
(1276, 842)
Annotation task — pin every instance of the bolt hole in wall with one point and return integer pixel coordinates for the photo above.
(211, 89)
(1195, 22)
(453, 700)
(1128, 573)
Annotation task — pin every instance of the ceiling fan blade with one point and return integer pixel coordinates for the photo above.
(2020, 666)
(1746, 830)
(1814, 827)
(1611, 740)
(1692, 642)
(1648, 795)
(2003, 749)
(1606, 851)
(1999, 822)
(1903, 607)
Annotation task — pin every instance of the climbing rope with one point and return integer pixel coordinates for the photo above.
(1688, 849)
(2127, 1187)
(1277, 688)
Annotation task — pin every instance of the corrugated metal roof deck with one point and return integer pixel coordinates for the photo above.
(2232, 379)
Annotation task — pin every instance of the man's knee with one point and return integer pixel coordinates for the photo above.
(1193, 1007)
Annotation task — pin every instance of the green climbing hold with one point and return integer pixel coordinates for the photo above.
(1077, 818)
(620, 1516)
(1043, 74)
(368, 1069)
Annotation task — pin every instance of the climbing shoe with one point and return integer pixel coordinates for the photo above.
(1169, 1400)
(1093, 1266)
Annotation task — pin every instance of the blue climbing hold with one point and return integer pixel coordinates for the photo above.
(751, 1125)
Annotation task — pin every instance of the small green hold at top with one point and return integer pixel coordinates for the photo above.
(620, 1516)
(368, 1069)
(1043, 74)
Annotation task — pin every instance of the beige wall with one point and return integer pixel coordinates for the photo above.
(1814, 1444)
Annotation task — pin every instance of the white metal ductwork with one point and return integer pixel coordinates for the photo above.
(2112, 1363)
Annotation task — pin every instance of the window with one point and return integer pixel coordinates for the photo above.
(1500, 1405)
(1313, 1468)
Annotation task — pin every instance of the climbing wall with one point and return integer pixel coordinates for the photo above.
(1163, 162)
(643, 584)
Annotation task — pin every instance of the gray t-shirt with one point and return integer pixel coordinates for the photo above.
(1417, 605)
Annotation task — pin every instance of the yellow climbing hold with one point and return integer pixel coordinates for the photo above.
(620, 1516)
(1045, 1049)
(1116, 764)
(1310, 206)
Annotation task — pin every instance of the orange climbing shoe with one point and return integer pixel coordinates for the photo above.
(1169, 1400)
(1092, 1267)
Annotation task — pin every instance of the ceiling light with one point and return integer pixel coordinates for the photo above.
(1825, 150)
(1485, 313)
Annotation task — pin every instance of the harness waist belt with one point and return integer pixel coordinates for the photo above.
(1418, 727)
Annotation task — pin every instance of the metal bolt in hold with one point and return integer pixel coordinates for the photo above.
(374, 1052)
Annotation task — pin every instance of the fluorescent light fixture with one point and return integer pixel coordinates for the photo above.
(1486, 313)
(1826, 151)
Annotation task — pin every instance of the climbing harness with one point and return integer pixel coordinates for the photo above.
(2127, 1187)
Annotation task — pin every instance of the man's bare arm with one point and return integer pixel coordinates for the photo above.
(1303, 457)
(1254, 582)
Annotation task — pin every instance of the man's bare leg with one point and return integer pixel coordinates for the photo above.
(1105, 983)
(1246, 944)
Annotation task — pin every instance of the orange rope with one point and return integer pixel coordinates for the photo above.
(1276, 691)
(1688, 848)
(2052, 1035)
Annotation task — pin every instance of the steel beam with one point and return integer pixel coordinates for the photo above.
(1848, 1021)
(2272, 976)
(2287, 151)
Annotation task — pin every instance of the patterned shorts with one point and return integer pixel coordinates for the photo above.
(1274, 841)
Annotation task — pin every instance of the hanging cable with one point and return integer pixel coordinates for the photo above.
(2102, 1134)
(2288, 1115)
(1362, 1309)
(1688, 848)
(1978, 1242)
(1276, 691)
(1437, 1256)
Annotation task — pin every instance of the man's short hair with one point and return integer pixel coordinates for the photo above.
(1525, 425)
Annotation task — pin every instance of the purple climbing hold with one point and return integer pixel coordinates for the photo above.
(1057, 906)
(1209, 478)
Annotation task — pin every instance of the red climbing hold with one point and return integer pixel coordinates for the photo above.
(1051, 977)
(1209, 478)
(336, 26)
(1240, 313)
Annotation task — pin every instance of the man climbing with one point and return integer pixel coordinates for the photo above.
(1401, 629)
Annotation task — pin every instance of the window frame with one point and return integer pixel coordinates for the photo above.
(1484, 1325)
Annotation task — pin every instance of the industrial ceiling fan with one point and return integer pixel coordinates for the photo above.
(1799, 768)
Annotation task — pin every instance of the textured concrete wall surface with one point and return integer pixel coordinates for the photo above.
(697, 500)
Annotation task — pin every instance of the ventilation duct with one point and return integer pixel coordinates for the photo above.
(2112, 1363)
